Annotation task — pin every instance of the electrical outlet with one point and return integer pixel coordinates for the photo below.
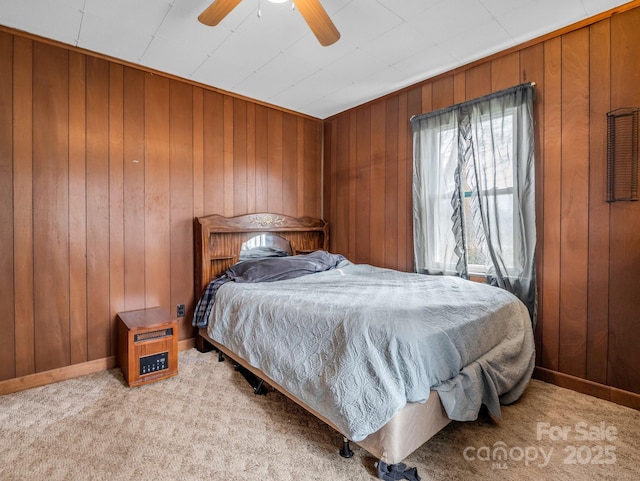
(181, 310)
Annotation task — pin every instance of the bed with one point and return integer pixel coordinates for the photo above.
(386, 358)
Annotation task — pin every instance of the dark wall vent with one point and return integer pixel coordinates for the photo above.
(622, 154)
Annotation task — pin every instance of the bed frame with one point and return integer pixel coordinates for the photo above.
(217, 245)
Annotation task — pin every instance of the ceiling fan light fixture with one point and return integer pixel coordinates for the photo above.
(311, 10)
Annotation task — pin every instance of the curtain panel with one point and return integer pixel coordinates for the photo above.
(474, 191)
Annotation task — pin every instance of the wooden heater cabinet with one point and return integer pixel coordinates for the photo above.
(147, 345)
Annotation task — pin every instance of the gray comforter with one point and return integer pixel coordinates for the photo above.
(357, 343)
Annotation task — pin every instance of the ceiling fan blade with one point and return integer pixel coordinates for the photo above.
(215, 12)
(318, 20)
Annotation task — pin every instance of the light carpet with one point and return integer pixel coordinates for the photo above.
(206, 424)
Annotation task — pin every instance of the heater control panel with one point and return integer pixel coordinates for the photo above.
(154, 363)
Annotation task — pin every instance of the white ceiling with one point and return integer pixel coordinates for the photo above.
(385, 44)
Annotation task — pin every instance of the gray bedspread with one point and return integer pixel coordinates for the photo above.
(356, 343)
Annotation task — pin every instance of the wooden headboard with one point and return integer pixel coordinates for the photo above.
(218, 239)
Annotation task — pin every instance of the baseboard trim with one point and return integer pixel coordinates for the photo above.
(609, 393)
(69, 372)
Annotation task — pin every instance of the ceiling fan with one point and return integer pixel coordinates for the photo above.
(311, 10)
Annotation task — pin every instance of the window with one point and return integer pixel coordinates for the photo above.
(474, 192)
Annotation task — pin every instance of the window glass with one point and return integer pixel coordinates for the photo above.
(495, 140)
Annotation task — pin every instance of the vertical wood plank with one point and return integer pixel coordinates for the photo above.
(574, 212)
(363, 186)
(532, 70)
(313, 152)
(262, 165)
(313, 168)
(624, 232)
(598, 293)
(274, 159)
(328, 172)
(477, 82)
(7, 302)
(213, 153)
(133, 184)
(157, 249)
(251, 157)
(290, 172)
(391, 166)
(340, 180)
(378, 185)
(98, 306)
(239, 159)
(427, 97)
(51, 205)
(229, 129)
(116, 198)
(442, 93)
(459, 87)
(198, 152)
(330, 186)
(301, 166)
(22, 204)
(404, 182)
(505, 72)
(181, 202)
(78, 208)
(550, 283)
(353, 181)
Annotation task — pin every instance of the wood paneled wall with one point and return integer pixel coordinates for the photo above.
(102, 168)
(588, 250)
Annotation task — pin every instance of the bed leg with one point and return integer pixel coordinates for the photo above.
(254, 381)
(259, 388)
(202, 345)
(345, 451)
(220, 355)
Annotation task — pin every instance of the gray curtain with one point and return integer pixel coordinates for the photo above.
(474, 191)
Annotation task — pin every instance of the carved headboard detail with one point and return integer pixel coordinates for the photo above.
(218, 239)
